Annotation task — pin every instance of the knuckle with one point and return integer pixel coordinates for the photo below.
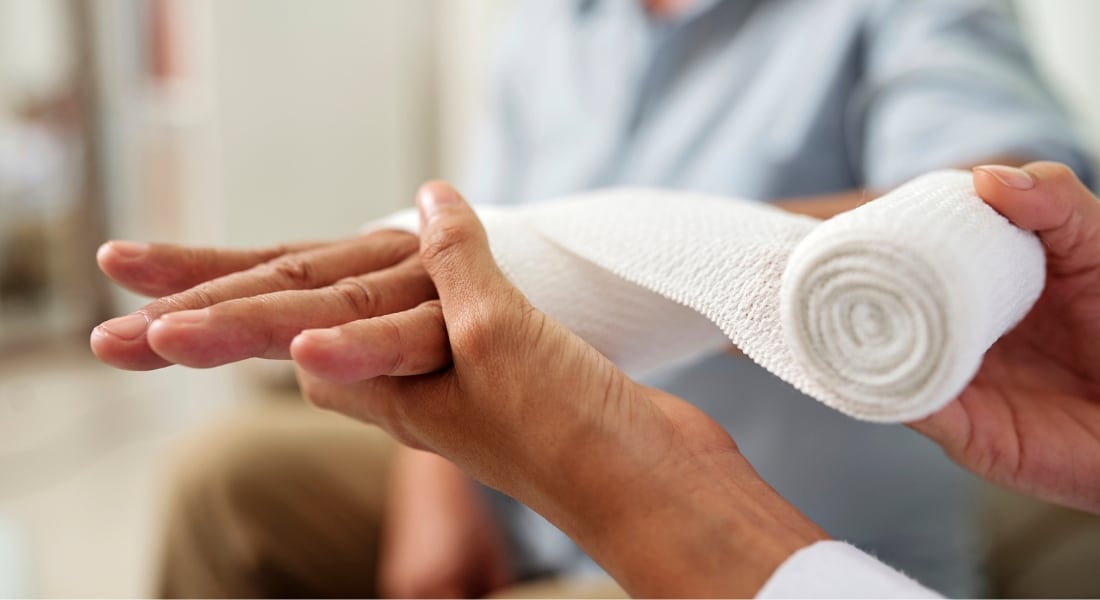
(438, 243)
(434, 308)
(294, 271)
(392, 334)
(391, 244)
(478, 333)
(200, 296)
(1053, 173)
(1057, 170)
(203, 295)
(198, 260)
(359, 295)
(387, 334)
(403, 242)
(492, 330)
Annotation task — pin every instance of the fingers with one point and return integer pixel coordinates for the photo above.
(383, 401)
(162, 269)
(483, 310)
(413, 342)
(455, 250)
(263, 326)
(122, 342)
(948, 427)
(1047, 198)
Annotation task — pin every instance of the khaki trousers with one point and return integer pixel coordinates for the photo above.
(287, 501)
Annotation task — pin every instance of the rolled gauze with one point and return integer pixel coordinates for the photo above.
(883, 312)
(888, 309)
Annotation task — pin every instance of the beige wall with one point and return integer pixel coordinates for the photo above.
(35, 57)
(326, 113)
(1067, 48)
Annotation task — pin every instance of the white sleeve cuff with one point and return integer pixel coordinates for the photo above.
(832, 569)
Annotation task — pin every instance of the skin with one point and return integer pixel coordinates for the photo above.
(219, 306)
(439, 537)
(625, 447)
(524, 401)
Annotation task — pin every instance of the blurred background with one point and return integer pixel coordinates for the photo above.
(231, 123)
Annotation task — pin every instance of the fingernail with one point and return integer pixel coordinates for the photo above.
(322, 335)
(187, 317)
(128, 249)
(433, 196)
(1017, 179)
(129, 327)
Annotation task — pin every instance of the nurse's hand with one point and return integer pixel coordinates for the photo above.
(651, 487)
(217, 306)
(1030, 419)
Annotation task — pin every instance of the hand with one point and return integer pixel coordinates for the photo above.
(220, 306)
(1030, 419)
(650, 486)
(439, 540)
(501, 345)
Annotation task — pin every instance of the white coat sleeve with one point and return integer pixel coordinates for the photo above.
(833, 569)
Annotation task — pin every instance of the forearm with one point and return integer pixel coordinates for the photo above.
(418, 479)
(682, 514)
(439, 540)
(723, 535)
(827, 205)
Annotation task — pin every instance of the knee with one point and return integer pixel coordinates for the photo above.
(217, 473)
(281, 502)
(266, 469)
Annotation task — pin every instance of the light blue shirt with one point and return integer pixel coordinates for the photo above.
(773, 99)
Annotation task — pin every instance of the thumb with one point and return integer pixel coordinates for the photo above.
(1047, 198)
(455, 250)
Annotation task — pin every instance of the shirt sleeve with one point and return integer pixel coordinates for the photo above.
(948, 83)
(831, 569)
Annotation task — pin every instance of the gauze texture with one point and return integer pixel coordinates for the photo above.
(883, 312)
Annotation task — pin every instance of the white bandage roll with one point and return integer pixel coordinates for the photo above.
(889, 308)
(883, 313)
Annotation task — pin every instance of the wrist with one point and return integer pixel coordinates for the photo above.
(720, 530)
(674, 512)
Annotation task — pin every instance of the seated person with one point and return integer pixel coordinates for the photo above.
(805, 104)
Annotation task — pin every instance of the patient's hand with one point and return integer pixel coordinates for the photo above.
(219, 306)
(650, 486)
(1030, 419)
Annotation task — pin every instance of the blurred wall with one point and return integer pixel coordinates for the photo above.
(1063, 37)
(327, 112)
(34, 49)
(467, 38)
